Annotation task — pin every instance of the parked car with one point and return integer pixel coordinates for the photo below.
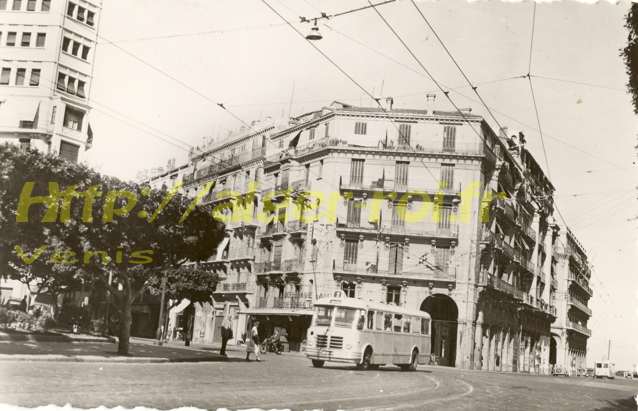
(624, 374)
(589, 372)
(558, 370)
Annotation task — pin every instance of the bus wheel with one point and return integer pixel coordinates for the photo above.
(367, 357)
(317, 363)
(413, 360)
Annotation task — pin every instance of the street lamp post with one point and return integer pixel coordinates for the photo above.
(160, 325)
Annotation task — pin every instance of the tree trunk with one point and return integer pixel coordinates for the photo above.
(126, 318)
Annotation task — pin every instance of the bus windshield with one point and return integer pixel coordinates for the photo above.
(324, 315)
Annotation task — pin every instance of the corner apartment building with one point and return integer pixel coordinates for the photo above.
(573, 273)
(422, 208)
(47, 50)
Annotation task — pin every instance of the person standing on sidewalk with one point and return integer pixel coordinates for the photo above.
(253, 343)
(227, 333)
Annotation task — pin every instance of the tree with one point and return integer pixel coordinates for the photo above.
(99, 225)
(630, 53)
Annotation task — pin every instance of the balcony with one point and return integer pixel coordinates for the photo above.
(429, 231)
(582, 307)
(574, 326)
(293, 266)
(301, 301)
(230, 288)
(389, 188)
(506, 207)
(296, 228)
(274, 229)
(505, 287)
(580, 282)
(371, 270)
(528, 231)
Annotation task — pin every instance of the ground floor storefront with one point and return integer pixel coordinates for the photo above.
(292, 326)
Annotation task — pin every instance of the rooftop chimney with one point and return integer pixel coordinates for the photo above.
(389, 102)
(430, 99)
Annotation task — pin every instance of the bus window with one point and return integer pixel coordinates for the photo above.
(406, 325)
(425, 325)
(605, 365)
(362, 320)
(344, 317)
(387, 322)
(598, 365)
(397, 323)
(370, 320)
(324, 314)
(379, 321)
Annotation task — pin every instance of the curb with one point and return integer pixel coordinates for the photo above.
(55, 338)
(100, 359)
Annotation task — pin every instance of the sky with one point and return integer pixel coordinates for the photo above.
(161, 67)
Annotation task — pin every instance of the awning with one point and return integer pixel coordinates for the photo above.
(19, 113)
(221, 247)
(181, 306)
(276, 311)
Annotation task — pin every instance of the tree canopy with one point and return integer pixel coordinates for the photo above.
(630, 53)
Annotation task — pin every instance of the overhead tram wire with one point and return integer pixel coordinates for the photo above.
(458, 66)
(438, 85)
(175, 79)
(342, 71)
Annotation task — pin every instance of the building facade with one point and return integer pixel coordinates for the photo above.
(421, 208)
(570, 332)
(47, 50)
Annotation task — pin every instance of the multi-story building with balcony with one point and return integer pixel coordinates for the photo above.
(47, 50)
(573, 274)
(422, 208)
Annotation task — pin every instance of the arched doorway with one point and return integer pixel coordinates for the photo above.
(444, 315)
(552, 351)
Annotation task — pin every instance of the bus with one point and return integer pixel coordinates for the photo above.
(604, 369)
(368, 334)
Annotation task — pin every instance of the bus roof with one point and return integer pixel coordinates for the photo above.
(369, 305)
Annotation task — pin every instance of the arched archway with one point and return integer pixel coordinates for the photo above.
(553, 350)
(444, 313)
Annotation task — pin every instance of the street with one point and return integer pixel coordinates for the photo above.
(289, 381)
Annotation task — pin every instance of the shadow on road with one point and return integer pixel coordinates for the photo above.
(625, 404)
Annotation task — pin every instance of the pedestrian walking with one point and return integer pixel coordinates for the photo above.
(227, 333)
(252, 345)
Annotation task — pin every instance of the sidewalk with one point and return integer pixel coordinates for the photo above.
(51, 336)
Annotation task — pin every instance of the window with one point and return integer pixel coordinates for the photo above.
(350, 252)
(46, 5)
(5, 75)
(30, 5)
(311, 135)
(53, 112)
(3, 4)
(70, 85)
(70, 9)
(17, 5)
(360, 128)
(370, 322)
(387, 322)
(85, 52)
(25, 143)
(277, 252)
(61, 81)
(354, 213)
(69, 151)
(396, 323)
(406, 324)
(405, 130)
(81, 92)
(80, 15)
(395, 265)
(26, 40)
(344, 317)
(449, 138)
(307, 174)
(425, 326)
(349, 289)
(40, 41)
(11, 38)
(356, 171)
(442, 257)
(393, 295)
(65, 44)
(444, 217)
(20, 76)
(398, 215)
(73, 118)
(447, 176)
(90, 18)
(401, 175)
(320, 169)
(379, 321)
(75, 48)
(326, 133)
(35, 77)
(323, 315)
